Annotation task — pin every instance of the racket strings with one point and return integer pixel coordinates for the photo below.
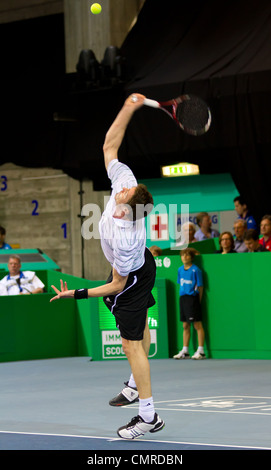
(193, 116)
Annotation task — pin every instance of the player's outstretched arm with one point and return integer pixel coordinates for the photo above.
(115, 287)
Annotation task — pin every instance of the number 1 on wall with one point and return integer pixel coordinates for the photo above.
(64, 227)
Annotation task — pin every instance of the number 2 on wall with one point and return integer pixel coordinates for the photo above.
(36, 204)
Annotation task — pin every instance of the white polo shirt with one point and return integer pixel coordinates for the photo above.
(123, 241)
(28, 282)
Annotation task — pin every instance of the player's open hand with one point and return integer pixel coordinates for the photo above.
(63, 293)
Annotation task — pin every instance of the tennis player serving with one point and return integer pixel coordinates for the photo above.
(127, 292)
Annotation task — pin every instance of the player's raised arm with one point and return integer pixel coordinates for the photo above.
(117, 130)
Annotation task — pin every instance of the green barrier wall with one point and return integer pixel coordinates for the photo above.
(236, 304)
(33, 328)
(236, 314)
(204, 247)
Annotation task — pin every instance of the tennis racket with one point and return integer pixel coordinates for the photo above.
(191, 113)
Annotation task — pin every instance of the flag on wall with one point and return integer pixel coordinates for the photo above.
(159, 227)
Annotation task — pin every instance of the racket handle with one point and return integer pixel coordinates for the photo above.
(151, 103)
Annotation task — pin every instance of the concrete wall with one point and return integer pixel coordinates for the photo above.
(41, 207)
(17, 10)
(34, 206)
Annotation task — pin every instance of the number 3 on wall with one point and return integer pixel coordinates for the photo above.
(36, 205)
(4, 183)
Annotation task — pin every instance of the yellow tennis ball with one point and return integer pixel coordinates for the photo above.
(95, 8)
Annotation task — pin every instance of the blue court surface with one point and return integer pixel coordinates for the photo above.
(62, 404)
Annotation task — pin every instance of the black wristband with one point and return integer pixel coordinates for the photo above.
(81, 294)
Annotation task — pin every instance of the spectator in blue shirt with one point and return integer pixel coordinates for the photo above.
(191, 290)
(244, 214)
(205, 227)
(240, 227)
(3, 245)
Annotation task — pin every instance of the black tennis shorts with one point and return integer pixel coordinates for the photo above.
(190, 308)
(130, 306)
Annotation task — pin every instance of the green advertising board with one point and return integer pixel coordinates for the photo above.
(97, 334)
(157, 321)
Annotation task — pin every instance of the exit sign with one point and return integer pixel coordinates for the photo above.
(180, 169)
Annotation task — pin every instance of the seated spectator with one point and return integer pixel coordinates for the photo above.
(243, 212)
(265, 227)
(240, 227)
(205, 227)
(252, 241)
(19, 282)
(155, 250)
(3, 244)
(226, 243)
(188, 231)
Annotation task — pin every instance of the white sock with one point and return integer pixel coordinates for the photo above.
(146, 409)
(131, 382)
(185, 349)
(201, 349)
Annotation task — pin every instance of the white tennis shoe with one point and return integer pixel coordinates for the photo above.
(138, 427)
(198, 355)
(181, 355)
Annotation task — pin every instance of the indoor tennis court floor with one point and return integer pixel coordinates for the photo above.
(62, 404)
